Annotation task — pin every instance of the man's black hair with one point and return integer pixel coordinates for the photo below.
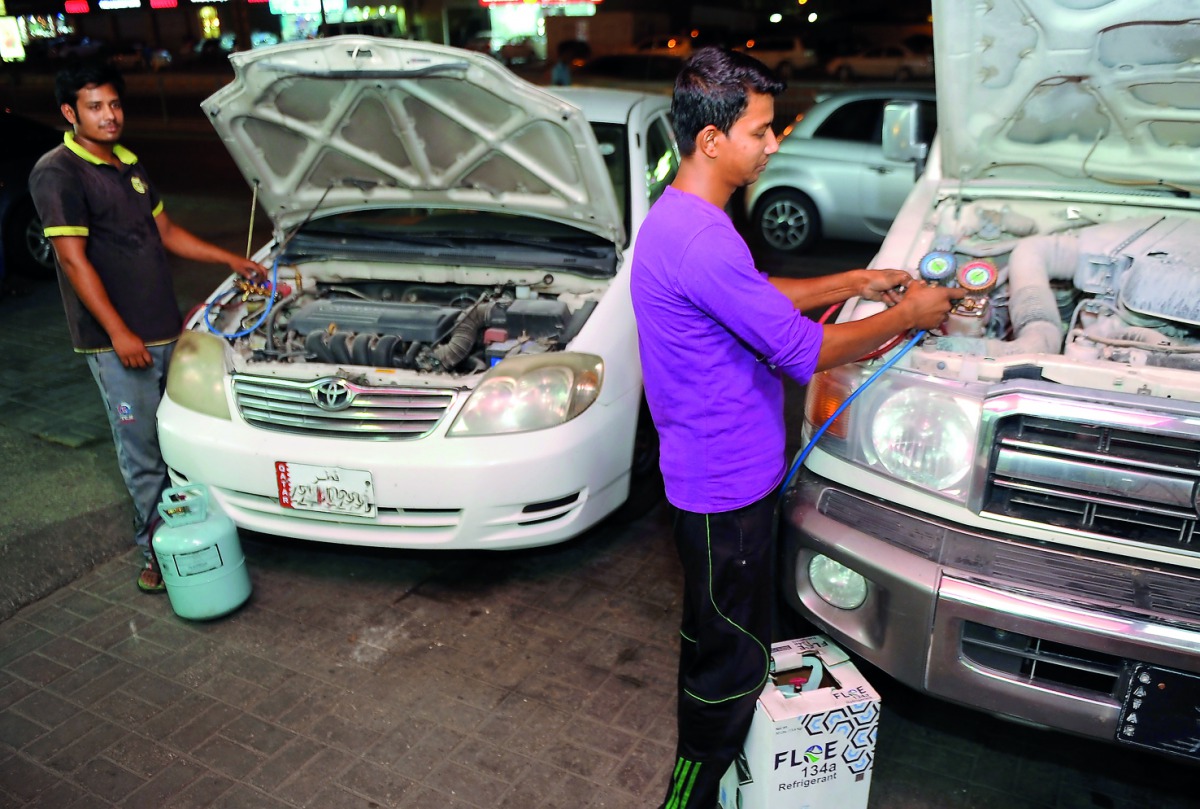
(714, 88)
(74, 77)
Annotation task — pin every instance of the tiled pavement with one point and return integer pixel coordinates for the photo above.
(357, 678)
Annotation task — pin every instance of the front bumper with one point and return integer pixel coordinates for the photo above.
(1050, 636)
(490, 492)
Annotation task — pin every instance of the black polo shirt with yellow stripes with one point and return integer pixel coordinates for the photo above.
(77, 194)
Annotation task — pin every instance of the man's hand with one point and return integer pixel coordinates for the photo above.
(131, 350)
(250, 270)
(925, 306)
(884, 285)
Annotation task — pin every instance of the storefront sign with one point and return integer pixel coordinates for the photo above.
(76, 7)
(119, 3)
(164, 3)
(306, 6)
(11, 49)
(489, 3)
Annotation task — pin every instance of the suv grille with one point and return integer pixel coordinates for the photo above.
(1102, 480)
(335, 407)
(1043, 662)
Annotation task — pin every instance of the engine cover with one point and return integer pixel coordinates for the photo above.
(411, 322)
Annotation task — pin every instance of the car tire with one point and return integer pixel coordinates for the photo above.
(27, 251)
(787, 221)
(844, 73)
(645, 475)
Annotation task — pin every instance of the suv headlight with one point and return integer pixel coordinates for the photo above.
(531, 392)
(196, 378)
(917, 429)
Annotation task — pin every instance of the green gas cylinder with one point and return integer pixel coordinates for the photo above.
(199, 555)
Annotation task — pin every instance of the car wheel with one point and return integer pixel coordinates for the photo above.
(645, 476)
(904, 74)
(844, 73)
(787, 221)
(26, 249)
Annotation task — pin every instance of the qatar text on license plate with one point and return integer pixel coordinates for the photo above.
(328, 489)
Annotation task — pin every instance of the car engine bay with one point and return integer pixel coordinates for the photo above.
(1072, 282)
(449, 328)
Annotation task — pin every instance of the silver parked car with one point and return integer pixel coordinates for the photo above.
(830, 178)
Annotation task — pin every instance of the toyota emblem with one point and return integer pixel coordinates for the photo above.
(332, 394)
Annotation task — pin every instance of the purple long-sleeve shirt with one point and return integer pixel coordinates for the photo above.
(714, 337)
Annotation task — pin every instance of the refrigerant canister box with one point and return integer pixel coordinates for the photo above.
(812, 742)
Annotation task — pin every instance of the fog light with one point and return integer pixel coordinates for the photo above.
(837, 584)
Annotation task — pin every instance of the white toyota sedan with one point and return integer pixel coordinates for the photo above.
(445, 355)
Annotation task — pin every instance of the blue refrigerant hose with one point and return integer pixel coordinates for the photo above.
(265, 312)
(821, 430)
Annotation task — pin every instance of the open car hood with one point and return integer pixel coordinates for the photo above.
(1094, 92)
(352, 122)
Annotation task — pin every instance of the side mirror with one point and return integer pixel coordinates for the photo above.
(902, 136)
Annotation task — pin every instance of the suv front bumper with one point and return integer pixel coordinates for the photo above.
(1051, 636)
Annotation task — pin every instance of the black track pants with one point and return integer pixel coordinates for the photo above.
(725, 642)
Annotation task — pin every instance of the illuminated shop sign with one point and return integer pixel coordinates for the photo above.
(76, 7)
(488, 3)
(306, 6)
(11, 49)
(119, 3)
(164, 3)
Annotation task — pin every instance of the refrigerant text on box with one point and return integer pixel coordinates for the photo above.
(814, 732)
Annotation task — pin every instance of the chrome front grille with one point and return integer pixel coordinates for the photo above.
(1102, 479)
(337, 407)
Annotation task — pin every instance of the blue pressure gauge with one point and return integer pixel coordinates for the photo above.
(938, 266)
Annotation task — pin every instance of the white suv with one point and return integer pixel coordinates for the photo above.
(1007, 514)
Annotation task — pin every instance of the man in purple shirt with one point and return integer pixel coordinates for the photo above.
(715, 337)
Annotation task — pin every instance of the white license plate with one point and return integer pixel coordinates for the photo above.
(328, 489)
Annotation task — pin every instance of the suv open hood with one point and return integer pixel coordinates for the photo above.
(352, 122)
(1097, 92)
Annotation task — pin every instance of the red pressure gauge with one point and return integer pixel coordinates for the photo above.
(978, 275)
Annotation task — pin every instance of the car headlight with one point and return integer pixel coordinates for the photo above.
(196, 378)
(917, 429)
(837, 584)
(531, 392)
(923, 439)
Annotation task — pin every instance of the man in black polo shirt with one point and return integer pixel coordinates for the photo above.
(111, 237)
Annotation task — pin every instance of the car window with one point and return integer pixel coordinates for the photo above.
(858, 121)
(611, 138)
(662, 161)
